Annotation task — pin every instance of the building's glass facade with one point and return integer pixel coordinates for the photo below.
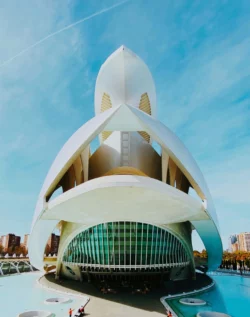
(126, 245)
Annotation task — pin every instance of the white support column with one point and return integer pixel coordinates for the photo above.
(164, 246)
(31, 268)
(136, 245)
(113, 251)
(103, 258)
(130, 243)
(107, 232)
(171, 250)
(175, 251)
(124, 232)
(156, 242)
(97, 235)
(164, 164)
(152, 246)
(180, 252)
(146, 260)
(87, 251)
(15, 266)
(141, 243)
(93, 246)
(119, 238)
(58, 270)
(1, 271)
(167, 249)
(82, 249)
(160, 250)
(85, 163)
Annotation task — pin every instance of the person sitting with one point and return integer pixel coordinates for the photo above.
(82, 309)
(80, 312)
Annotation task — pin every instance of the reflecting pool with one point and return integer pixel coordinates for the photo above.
(230, 295)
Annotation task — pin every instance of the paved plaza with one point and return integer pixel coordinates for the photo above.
(124, 304)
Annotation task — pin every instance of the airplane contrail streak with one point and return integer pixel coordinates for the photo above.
(61, 30)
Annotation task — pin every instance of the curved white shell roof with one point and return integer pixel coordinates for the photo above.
(125, 116)
(125, 77)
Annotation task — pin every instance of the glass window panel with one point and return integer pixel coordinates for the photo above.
(126, 243)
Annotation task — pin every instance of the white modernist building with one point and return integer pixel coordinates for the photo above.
(125, 209)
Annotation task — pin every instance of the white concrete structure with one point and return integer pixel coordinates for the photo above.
(192, 301)
(211, 314)
(57, 300)
(125, 207)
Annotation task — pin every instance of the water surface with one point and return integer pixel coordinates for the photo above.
(230, 295)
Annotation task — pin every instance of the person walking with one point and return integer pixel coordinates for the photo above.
(70, 312)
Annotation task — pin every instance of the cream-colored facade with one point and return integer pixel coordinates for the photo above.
(244, 241)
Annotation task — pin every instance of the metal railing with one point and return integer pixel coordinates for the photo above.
(14, 265)
(229, 272)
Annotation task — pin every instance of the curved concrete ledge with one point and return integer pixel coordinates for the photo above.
(201, 290)
(211, 314)
(36, 313)
(57, 300)
(67, 293)
(192, 301)
(129, 199)
(168, 308)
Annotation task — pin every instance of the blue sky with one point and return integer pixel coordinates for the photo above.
(198, 53)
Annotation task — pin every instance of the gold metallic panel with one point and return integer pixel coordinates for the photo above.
(106, 104)
(125, 170)
(145, 104)
(145, 107)
(145, 135)
(105, 135)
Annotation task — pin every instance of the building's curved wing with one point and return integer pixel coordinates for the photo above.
(208, 229)
(134, 120)
(180, 154)
(71, 149)
(123, 79)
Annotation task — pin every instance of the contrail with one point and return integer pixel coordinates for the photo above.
(61, 30)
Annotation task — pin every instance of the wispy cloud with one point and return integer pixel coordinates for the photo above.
(39, 42)
(197, 52)
(28, 102)
(46, 92)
